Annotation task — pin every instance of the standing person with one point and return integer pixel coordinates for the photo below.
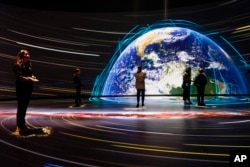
(140, 85)
(78, 87)
(24, 87)
(200, 82)
(186, 84)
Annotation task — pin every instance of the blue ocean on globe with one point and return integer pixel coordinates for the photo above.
(164, 53)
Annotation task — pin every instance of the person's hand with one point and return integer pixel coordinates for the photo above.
(33, 79)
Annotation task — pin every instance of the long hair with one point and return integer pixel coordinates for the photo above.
(20, 56)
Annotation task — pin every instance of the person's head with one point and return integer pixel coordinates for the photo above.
(23, 56)
(77, 71)
(139, 68)
(201, 70)
(188, 70)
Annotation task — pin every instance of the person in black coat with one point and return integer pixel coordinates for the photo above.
(78, 87)
(200, 82)
(24, 87)
(186, 84)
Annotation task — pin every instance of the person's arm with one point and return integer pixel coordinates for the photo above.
(195, 81)
(32, 78)
(18, 71)
(205, 78)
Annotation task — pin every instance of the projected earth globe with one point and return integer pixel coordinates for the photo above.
(164, 54)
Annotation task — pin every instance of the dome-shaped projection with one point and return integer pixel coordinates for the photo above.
(164, 53)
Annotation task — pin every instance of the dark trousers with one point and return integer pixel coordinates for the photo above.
(186, 93)
(23, 99)
(200, 94)
(78, 97)
(140, 93)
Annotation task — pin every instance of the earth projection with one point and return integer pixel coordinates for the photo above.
(164, 53)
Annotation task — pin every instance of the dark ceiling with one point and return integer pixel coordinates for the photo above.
(105, 5)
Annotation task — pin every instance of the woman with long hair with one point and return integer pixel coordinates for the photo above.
(24, 87)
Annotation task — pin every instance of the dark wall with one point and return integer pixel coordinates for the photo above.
(60, 40)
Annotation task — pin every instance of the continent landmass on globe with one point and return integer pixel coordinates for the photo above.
(164, 54)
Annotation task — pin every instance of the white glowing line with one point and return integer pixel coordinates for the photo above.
(163, 157)
(51, 39)
(227, 3)
(235, 122)
(47, 156)
(40, 47)
(134, 130)
(158, 133)
(58, 40)
(105, 32)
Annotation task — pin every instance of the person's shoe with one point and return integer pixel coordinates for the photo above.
(203, 104)
(23, 130)
(17, 130)
(137, 105)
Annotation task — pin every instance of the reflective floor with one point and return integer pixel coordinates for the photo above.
(112, 132)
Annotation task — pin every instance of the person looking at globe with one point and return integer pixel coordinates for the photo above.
(140, 85)
(186, 84)
(200, 82)
(78, 87)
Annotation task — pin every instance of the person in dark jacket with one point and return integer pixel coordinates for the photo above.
(140, 85)
(186, 84)
(78, 87)
(24, 87)
(200, 82)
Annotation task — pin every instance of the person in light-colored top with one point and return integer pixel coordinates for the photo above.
(140, 85)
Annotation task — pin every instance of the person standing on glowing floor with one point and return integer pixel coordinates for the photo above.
(140, 85)
(78, 87)
(24, 88)
(186, 84)
(200, 82)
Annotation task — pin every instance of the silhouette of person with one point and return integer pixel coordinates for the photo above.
(78, 87)
(140, 85)
(24, 88)
(200, 82)
(186, 84)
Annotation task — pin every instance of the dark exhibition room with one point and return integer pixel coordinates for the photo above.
(115, 83)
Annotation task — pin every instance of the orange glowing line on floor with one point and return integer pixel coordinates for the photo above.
(126, 145)
(79, 125)
(171, 151)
